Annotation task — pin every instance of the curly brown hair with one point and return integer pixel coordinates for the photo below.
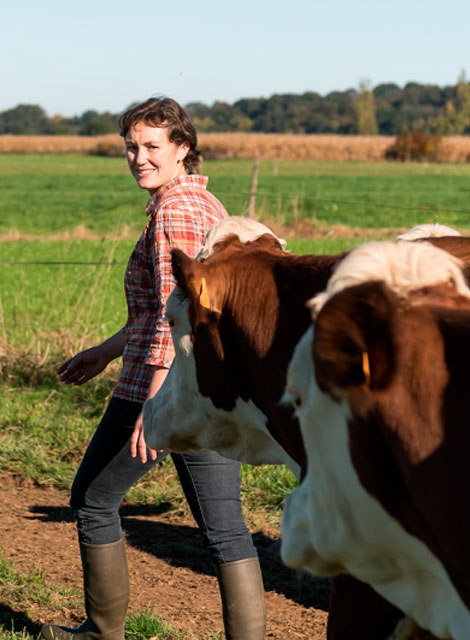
(166, 112)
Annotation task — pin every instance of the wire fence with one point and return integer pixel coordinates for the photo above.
(64, 225)
(246, 194)
(368, 203)
(57, 262)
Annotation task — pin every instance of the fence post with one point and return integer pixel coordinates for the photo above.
(254, 185)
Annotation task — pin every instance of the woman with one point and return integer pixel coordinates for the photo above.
(161, 147)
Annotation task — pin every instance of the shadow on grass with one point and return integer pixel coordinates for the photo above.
(17, 621)
(181, 546)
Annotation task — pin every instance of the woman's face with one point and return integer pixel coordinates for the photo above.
(152, 158)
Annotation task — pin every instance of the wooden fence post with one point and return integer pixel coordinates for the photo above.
(254, 186)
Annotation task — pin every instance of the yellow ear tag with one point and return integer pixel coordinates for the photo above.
(366, 367)
(204, 295)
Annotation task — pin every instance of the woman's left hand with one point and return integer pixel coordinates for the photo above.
(138, 445)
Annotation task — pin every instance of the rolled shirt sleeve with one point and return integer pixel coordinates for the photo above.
(173, 229)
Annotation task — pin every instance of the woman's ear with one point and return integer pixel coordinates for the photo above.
(183, 151)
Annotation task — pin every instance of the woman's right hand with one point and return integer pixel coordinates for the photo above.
(84, 366)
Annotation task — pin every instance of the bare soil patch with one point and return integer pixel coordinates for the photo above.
(168, 569)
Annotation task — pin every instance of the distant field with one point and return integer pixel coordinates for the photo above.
(68, 209)
(51, 194)
(83, 208)
(57, 211)
(317, 147)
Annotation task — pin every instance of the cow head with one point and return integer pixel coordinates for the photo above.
(321, 373)
(205, 401)
(376, 384)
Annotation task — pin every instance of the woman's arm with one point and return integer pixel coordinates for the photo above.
(171, 228)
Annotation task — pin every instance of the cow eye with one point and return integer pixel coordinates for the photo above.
(292, 398)
(171, 323)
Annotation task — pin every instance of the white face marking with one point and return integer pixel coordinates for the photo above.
(180, 418)
(246, 229)
(332, 525)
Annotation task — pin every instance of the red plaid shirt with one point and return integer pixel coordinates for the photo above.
(180, 214)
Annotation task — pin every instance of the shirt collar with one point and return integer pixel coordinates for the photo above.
(194, 180)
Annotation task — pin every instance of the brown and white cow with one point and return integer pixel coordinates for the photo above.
(234, 336)
(223, 389)
(235, 320)
(380, 386)
(263, 292)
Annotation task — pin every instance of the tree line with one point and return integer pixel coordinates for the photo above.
(386, 109)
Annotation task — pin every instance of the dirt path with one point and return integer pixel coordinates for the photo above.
(168, 569)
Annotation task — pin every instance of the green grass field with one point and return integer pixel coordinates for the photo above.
(48, 310)
(42, 194)
(52, 306)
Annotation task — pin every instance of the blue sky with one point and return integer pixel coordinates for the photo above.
(70, 57)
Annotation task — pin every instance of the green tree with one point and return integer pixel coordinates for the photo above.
(60, 126)
(197, 110)
(463, 104)
(23, 119)
(448, 125)
(364, 111)
(456, 118)
(203, 124)
(93, 123)
(239, 122)
(221, 114)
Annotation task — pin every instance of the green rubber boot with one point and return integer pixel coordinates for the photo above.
(106, 586)
(242, 591)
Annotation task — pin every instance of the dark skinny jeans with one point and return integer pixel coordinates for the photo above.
(210, 482)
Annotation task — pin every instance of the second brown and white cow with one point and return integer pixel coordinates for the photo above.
(380, 388)
(235, 320)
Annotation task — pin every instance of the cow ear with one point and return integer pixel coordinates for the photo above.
(194, 279)
(354, 341)
(182, 268)
(268, 241)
